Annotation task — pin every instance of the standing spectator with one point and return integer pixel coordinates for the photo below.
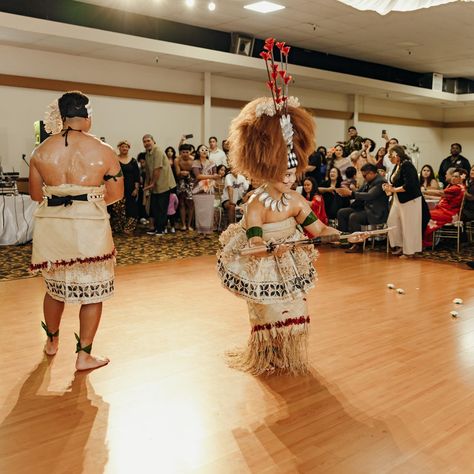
(454, 160)
(407, 205)
(468, 208)
(226, 149)
(235, 186)
(379, 156)
(172, 208)
(370, 205)
(311, 193)
(183, 167)
(160, 181)
(124, 213)
(142, 212)
(428, 179)
(448, 206)
(205, 175)
(315, 162)
(216, 154)
(387, 162)
(170, 153)
(354, 143)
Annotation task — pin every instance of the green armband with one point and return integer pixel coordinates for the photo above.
(310, 218)
(114, 177)
(254, 232)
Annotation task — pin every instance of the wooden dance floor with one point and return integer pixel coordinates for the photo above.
(391, 388)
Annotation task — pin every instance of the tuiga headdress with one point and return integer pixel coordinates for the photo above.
(277, 104)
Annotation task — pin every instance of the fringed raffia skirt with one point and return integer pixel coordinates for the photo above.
(275, 289)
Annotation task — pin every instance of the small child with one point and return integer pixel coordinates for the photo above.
(172, 208)
(350, 181)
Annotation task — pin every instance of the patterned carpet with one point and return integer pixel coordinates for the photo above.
(142, 248)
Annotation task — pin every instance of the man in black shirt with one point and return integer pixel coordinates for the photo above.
(455, 160)
(313, 170)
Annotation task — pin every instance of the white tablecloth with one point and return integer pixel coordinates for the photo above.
(16, 219)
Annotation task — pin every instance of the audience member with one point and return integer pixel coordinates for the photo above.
(160, 181)
(205, 175)
(332, 201)
(142, 211)
(183, 166)
(448, 206)
(407, 205)
(170, 153)
(350, 182)
(368, 146)
(354, 142)
(370, 205)
(339, 161)
(235, 187)
(379, 156)
(454, 160)
(382, 171)
(124, 213)
(311, 193)
(216, 154)
(387, 162)
(173, 206)
(313, 170)
(468, 208)
(428, 179)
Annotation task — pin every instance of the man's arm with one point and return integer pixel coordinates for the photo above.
(114, 185)
(371, 195)
(35, 181)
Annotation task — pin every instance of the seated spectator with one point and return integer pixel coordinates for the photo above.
(339, 161)
(382, 171)
(428, 179)
(468, 208)
(235, 187)
(311, 193)
(350, 182)
(454, 160)
(448, 206)
(332, 201)
(370, 205)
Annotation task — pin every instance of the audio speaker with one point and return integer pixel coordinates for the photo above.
(242, 44)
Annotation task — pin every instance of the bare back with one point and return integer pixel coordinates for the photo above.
(84, 161)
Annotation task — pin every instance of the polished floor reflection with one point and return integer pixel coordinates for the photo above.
(391, 388)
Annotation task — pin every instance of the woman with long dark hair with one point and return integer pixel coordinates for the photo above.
(406, 211)
(332, 201)
(311, 193)
(428, 179)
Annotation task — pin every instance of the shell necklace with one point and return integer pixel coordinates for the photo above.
(264, 197)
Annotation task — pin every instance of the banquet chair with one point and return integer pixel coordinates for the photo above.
(451, 230)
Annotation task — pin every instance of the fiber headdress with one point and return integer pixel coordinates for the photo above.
(272, 134)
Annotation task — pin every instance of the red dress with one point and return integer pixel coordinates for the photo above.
(317, 205)
(443, 213)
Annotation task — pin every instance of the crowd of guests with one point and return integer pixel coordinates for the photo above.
(350, 185)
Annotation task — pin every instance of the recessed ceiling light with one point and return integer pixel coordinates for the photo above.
(190, 3)
(211, 6)
(264, 7)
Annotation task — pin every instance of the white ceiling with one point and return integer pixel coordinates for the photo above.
(438, 39)
(339, 27)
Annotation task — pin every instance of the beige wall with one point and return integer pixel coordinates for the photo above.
(117, 118)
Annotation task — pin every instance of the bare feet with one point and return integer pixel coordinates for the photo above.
(50, 348)
(89, 362)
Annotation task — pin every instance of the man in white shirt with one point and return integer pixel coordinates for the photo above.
(216, 154)
(235, 186)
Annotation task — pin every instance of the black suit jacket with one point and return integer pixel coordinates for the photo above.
(373, 199)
